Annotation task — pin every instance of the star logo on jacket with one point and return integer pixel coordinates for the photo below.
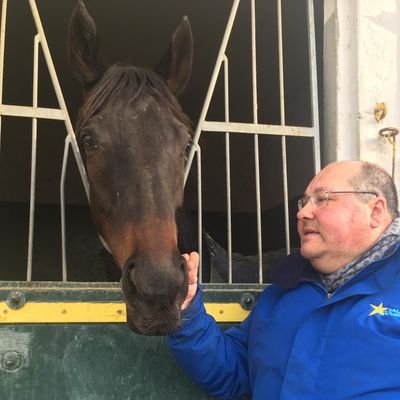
(385, 311)
(378, 309)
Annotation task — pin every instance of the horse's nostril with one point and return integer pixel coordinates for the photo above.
(130, 265)
(132, 276)
(129, 270)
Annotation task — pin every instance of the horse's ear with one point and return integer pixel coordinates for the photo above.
(176, 64)
(83, 46)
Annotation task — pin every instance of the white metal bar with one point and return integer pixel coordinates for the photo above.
(212, 84)
(31, 112)
(313, 83)
(33, 158)
(280, 60)
(283, 123)
(256, 143)
(62, 204)
(228, 169)
(2, 47)
(285, 194)
(200, 211)
(258, 206)
(254, 62)
(259, 129)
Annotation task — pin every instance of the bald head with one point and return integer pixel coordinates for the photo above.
(365, 176)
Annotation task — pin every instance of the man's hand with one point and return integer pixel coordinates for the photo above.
(192, 262)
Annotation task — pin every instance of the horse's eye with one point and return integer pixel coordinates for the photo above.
(187, 149)
(89, 141)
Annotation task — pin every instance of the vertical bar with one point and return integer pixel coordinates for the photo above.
(313, 83)
(62, 206)
(33, 159)
(228, 169)
(254, 62)
(200, 212)
(280, 58)
(258, 206)
(256, 144)
(212, 84)
(285, 194)
(283, 122)
(2, 46)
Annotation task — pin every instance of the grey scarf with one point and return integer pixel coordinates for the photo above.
(388, 239)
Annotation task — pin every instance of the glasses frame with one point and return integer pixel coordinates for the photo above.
(304, 200)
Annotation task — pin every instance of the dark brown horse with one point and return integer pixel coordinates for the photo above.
(134, 137)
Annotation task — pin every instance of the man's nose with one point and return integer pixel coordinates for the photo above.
(307, 211)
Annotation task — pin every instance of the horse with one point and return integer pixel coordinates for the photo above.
(134, 139)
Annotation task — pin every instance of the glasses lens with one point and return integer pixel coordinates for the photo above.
(301, 202)
(320, 199)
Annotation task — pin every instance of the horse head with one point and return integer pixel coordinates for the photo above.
(134, 138)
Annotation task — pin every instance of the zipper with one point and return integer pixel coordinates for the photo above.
(328, 295)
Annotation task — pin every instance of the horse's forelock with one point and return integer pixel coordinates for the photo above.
(131, 84)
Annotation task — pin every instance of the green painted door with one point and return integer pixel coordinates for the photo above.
(45, 356)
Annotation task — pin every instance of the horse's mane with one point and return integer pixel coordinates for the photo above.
(130, 83)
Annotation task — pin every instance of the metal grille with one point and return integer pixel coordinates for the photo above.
(254, 129)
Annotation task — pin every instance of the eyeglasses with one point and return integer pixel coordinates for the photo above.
(321, 199)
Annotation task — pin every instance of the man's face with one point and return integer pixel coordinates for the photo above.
(334, 235)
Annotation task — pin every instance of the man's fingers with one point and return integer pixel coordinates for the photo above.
(193, 266)
(195, 258)
(192, 262)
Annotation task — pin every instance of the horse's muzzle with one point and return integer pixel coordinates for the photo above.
(154, 294)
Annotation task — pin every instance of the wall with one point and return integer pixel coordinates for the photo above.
(361, 69)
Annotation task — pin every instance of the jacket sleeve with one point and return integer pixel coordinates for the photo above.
(216, 360)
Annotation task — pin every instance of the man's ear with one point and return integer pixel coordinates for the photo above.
(379, 212)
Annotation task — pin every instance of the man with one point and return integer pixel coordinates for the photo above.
(328, 328)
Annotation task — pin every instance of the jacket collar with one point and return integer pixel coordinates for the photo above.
(293, 270)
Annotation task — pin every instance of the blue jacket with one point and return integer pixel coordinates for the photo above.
(299, 343)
